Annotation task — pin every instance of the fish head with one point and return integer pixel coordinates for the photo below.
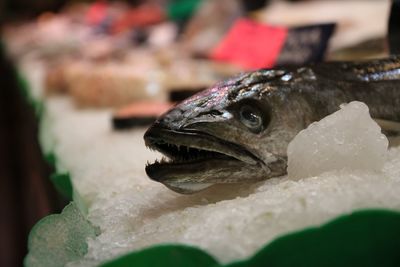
(234, 132)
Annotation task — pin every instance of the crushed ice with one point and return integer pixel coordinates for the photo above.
(348, 139)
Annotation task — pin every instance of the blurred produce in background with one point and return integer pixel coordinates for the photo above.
(110, 53)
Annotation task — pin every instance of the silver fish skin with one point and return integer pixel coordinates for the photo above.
(238, 131)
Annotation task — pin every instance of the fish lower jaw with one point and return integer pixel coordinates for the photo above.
(193, 176)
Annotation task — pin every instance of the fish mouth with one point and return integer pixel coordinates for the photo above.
(194, 159)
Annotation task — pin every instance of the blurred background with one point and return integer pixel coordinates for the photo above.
(139, 57)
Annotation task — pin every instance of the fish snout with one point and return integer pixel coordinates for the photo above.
(172, 120)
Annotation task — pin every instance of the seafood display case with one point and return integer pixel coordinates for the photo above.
(215, 133)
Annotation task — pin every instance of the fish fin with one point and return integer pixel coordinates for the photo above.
(391, 129)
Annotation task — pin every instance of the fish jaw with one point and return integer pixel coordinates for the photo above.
(196, 160)
(193, 176)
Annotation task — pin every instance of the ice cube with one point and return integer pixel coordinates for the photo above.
(347, 139)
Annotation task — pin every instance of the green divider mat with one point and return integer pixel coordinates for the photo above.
(165, 255)
(364, 238)
(61, 180)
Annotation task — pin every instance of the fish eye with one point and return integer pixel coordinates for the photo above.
(251, 117)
